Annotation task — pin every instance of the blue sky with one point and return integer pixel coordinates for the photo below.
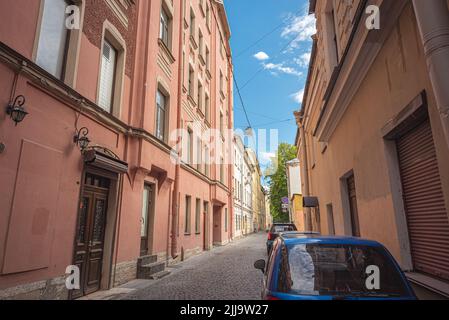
(276, 66)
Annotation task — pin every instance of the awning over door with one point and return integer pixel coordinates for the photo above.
(105, 159)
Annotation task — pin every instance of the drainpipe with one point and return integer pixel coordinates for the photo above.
(433, 23)
(175, 206)
(305, 174)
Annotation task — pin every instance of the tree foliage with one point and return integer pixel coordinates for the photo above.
(276, 177)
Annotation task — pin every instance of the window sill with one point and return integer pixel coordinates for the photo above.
(202, 60)
(191, 100)
(193, 42)
(223, 96)
(187, 234)
(428, 282)
(166, 50)
(208, 73)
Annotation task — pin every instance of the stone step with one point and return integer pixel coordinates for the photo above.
(146, 260)
(147, 270)
(159, 275)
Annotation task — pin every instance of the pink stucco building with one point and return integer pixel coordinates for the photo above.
(132, 72)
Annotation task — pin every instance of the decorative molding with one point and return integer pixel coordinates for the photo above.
(113, 5)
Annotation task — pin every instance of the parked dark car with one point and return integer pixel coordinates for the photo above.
(275, 230)
(312, 267)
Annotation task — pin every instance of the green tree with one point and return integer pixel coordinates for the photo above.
(276, 177)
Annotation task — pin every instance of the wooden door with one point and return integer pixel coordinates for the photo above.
(353, 207)
(89, 245)
(147, 215)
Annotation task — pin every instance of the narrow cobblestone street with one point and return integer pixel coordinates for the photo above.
(223, 273)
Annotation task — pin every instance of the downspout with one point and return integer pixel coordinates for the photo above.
(433, 23)
(175, 206)
(305, 174)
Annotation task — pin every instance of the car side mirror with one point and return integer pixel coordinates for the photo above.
(260, 264)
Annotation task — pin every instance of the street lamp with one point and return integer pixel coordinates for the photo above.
(16, 111)
(81, 139)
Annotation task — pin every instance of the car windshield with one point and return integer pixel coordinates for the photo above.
(284, 228)
(338, 270)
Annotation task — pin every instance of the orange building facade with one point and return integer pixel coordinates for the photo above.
(373, 136)
(88, 177)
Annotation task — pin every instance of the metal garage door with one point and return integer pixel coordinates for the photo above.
(424, 202)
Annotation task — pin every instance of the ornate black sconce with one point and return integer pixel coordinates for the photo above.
(16, 111)
(81, 139)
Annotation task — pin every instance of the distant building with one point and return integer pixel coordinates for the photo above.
(242, 191)
(296, 210)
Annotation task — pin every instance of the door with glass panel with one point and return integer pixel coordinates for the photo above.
(145, 220)
(89, 247)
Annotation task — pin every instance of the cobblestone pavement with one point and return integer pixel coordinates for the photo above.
(225, 273)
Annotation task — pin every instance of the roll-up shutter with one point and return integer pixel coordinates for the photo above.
(424, 202)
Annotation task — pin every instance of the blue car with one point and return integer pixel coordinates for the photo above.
(307, 266)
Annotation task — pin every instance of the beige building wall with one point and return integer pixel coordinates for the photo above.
(345, 130)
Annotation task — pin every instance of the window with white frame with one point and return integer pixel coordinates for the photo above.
(165, 24)
(107, 76)
(53, 38)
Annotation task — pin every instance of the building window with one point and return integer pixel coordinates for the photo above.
(164, 33)
(221, 82)
(200, 96)
(222, 170)
(221, 124)
(53, 38)
(207, 58)
(190, 147)
(207, 107)
(206, 161)
(198, 216)
(200, 43)
(192, 23)
(188, 214)
(191, 79)
(199, 150)
(208, 15)
(222, 49)
(107, 76)
(330, 39)
(161, 115)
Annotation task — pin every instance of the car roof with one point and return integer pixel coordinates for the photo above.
(293, 238)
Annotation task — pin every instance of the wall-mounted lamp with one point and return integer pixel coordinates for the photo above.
(81, 139)
(16, 111)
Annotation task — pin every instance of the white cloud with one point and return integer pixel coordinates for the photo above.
(303, 60)
(301, 27)
(261, 56)
(298, 96)
(279, 67)
(266, 157)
